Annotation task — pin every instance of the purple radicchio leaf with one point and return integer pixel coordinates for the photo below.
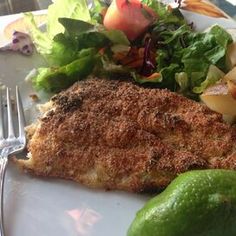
(149, 63)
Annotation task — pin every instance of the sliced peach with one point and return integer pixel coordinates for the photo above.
(231, 56)
(219, 99)
(230, 79)
(232, 88)
(130, 16)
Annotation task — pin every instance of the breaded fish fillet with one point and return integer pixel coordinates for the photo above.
(116, 135)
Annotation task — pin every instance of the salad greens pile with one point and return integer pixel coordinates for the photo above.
(76, 44)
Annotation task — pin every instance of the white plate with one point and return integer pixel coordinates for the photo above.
(48, 207)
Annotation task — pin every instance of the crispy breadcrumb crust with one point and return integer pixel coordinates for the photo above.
(117, 135)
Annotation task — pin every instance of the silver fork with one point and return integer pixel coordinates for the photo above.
(11, 144)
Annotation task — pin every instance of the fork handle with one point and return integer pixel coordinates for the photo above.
(3, 165)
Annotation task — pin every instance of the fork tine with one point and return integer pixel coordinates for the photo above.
(1, 117)
(11, 133)
(20, 112)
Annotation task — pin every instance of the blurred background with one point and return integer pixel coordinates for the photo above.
(16, 6)
(228, 6)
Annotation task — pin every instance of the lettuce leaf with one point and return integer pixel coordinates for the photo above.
(166, 15)
(192, 53)
(144, 80)
(182, 81)
(40, 39)
(214, 74)
(85, 32)
(96, 10)
(63, 52)
(55, 79)
(116, 37)
(44, 41)
(73, 9)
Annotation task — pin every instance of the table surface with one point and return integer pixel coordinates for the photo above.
(16, 6)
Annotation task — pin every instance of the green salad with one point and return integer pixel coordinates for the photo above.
(147, 41)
